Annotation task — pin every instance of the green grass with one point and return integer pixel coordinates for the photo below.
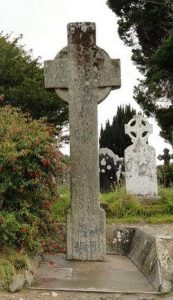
(125, 220)
(157, 219)
(62, 205)
(160, 219)
(122, 207)
(7, 271)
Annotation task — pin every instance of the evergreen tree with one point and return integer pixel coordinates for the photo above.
(147, 26)
(113, 136)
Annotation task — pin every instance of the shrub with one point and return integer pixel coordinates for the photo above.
(30, 164)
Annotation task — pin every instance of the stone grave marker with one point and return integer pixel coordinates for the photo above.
(166, 157)
(83, 75)
(166, 179)
(110, 169)
(140, 159)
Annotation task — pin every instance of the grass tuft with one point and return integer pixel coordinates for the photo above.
(10, 263)
(62, 205)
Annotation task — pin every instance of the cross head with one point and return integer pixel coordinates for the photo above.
(138, 129)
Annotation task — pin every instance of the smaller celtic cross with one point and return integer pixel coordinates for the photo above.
(138, 129)
(166, 157)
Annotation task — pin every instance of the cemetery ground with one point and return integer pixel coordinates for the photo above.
(121, 208)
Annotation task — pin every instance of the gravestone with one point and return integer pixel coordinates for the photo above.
(83, 75)
(166, 157)
(110, 169)
(140, 159)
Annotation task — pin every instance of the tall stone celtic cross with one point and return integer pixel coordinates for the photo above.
(83, 75)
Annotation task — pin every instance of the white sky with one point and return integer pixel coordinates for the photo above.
(43, 24)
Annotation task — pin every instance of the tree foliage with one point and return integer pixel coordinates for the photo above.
(147, 26)
(22, 83)
(113, 136)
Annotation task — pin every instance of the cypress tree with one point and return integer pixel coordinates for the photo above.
(113, 136)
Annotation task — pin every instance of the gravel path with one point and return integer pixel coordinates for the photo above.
(43, 295)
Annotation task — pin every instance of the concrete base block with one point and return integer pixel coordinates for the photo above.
(152, 260)
(86, 241)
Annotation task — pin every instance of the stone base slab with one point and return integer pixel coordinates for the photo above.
(150, 248)
(117, 274)
(86, 239)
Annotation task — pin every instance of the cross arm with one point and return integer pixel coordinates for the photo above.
(160, 157)
(110, 75)
(55, 73)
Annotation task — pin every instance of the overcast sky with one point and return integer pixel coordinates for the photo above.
(43, 25)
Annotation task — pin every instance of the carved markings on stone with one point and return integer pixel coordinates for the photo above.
(83, 75)
(140, 159)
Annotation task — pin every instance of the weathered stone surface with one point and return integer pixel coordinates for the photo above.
(83, 75)
(151, 255)
(119, 239)
(144, 254)
(122, 240)
(164, 250)
(115, 274)
(28, 278)
(110, 166)
(17, 283)
(140, 159)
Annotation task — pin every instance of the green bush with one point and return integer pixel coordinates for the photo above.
(30, 165)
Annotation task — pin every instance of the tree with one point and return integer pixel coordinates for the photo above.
(22, 83)
(113, 136)
(147, 25)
